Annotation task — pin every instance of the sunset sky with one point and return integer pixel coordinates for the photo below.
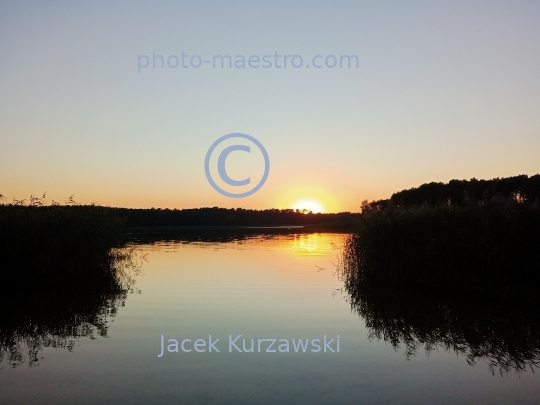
(444, 90)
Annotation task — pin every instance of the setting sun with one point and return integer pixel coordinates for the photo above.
(309, 205)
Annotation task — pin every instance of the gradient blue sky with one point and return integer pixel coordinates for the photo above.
(444, 89)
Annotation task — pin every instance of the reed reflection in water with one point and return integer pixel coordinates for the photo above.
(504, 334)
(39, 312)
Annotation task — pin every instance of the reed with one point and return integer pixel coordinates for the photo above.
(491, 249)
(57, 242)
(65, 272)
(495, 326)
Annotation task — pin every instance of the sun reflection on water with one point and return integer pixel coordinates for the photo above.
(313, 244)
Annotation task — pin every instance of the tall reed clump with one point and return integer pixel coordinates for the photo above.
(492, 248)
(56, 243)
(64, 271)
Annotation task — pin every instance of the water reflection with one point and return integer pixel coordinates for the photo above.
(40, 312)
(299, 241)
(504, 334)
(210, 235)
(264, 286)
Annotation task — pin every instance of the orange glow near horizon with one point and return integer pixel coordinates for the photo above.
(309, 205)
(317, 198)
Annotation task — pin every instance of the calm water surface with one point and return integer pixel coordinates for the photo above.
(277, 286)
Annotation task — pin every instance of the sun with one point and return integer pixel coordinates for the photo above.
(308, 205)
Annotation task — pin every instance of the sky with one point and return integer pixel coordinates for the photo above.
(442, 90)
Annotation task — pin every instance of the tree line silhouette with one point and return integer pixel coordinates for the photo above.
(228, 217)
(463, 192)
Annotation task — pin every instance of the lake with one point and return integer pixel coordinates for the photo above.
(261, 317)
